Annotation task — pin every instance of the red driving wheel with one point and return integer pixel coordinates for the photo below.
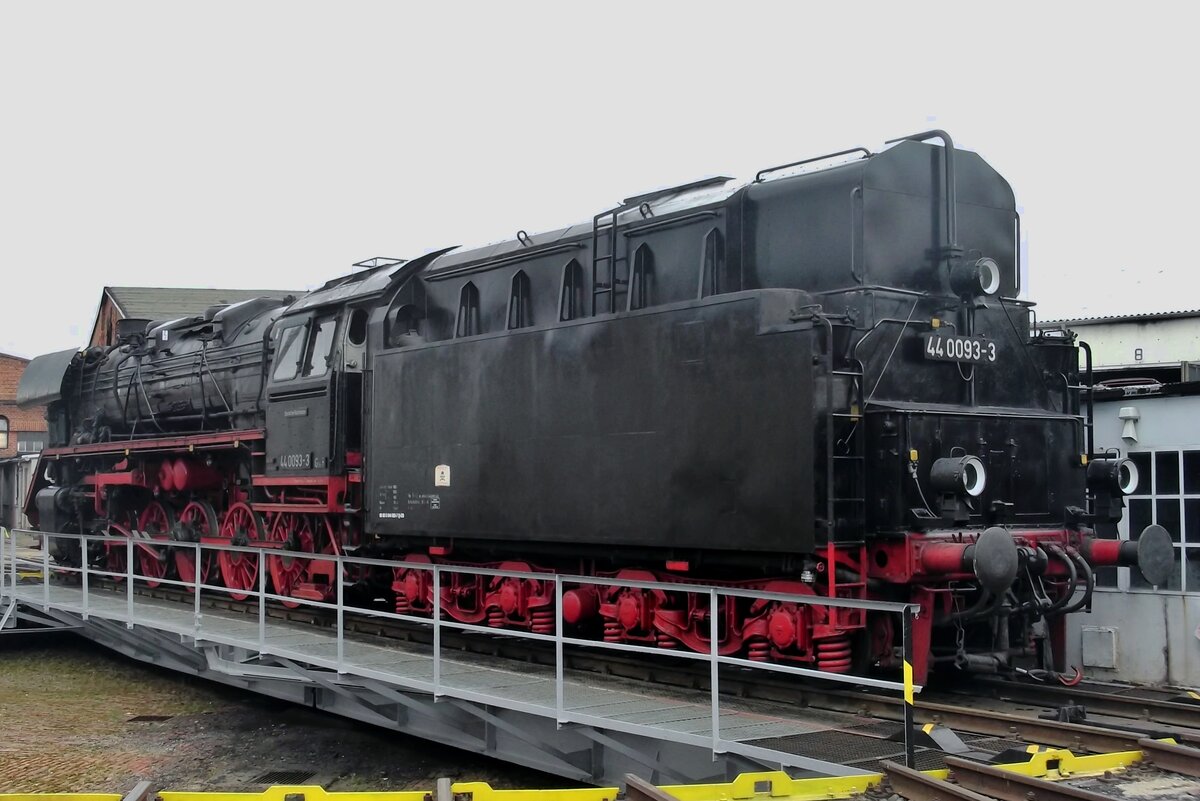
(296, 532)
(241, 525)
(197, 522)
(155, 523)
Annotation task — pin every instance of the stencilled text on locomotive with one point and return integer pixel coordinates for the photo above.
(427, 500)
(295, 461)
(389, 502)
(950, 348)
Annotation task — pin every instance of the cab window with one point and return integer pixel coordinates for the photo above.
(288, 352)
(322, 344)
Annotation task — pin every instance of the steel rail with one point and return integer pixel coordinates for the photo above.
(1076, 736)
(917, 786)
(1006, 785)
(1173, 713)
(1175, 758)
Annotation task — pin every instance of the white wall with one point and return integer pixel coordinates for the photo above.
(1162, 342)
(1155, 630)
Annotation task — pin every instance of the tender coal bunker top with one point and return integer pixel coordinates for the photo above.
(640, 208)
(880, 221)
(877, 221)
(915, 168)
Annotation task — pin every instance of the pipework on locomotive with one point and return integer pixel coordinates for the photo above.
(822, 383)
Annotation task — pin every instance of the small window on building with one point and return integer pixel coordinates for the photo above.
(3, 432)
(468, 323)
(520, 312)
(713, 280)
(641, 281)
(30, 443)
(320, 353)
(571, 304)
(288, 352)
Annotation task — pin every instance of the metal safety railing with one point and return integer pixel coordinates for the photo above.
(13, 567)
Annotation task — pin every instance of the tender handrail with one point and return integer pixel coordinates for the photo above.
(758, 177)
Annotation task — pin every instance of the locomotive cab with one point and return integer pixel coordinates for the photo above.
(300, 394)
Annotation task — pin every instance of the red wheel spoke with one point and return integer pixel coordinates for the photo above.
(197, 521)
(241, 525)
(288, 572)
(156, 523)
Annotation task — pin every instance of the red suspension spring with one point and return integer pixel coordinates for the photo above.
(541, 621)
(833, 654)
(612, 631)
(402, 605)
(758, 651)
(666, 641)
(496, 618)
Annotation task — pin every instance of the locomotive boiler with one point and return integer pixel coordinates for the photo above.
(819, 383)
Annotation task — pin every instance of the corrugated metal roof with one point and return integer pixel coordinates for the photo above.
(1123, 318)
(161, 303)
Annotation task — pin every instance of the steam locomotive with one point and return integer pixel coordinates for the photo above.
(820, 383)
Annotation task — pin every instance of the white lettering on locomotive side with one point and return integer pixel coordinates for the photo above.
(951, 348)
(295, 461)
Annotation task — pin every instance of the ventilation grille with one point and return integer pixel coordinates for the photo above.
(284, 777)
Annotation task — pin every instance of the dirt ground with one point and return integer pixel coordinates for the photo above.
(66, 725)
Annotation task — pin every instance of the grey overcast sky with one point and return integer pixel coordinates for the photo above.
(271, 144)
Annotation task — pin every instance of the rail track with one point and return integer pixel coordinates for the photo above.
(968, 780)
(1115, 700)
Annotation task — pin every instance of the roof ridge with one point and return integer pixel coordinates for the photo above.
(1119, 317)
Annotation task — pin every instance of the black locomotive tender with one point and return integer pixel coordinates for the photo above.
(820, 382)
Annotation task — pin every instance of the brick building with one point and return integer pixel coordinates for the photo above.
(22, 434)
(21, 430)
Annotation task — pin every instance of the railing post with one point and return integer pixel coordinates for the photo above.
(262, 600)
(199, 553)
(437, 633)
(907, 642)
(83, 563)
(341, 616)
(45, 572)
(559, 667)
(714, 670)
(129, 582)
(4, 535)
